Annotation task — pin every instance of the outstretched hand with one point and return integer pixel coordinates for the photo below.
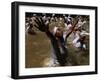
(40, 24)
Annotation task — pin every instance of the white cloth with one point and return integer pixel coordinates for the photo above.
(55, 30)
(75, 43)
(84, 33)
(67, 27)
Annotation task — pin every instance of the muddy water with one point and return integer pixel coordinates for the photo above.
(37, 52)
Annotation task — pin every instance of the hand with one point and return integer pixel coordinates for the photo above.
(41, 25)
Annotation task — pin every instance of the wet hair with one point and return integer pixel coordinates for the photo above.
(68, 22)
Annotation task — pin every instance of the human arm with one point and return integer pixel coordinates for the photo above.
(71, 29)
(40, 24)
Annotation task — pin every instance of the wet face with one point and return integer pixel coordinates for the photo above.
(59, 33)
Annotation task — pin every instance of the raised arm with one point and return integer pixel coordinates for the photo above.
(71, 29)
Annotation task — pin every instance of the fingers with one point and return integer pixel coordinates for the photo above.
(37, 22)
(36, 26)
(40, 24)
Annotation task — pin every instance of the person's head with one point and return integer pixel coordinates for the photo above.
(69, 22)
(57, 32)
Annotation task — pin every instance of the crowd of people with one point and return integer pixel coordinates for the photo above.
(73, 25)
